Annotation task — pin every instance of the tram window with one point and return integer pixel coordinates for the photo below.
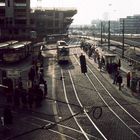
(64, 52)
(62, 43)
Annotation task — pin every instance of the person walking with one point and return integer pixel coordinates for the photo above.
(45, 89)
(38, 96)
(23, 94)
(115, 77)
(119, 80)
(128, 79)
(31, 74)
(17, 97)
(7, 114)
(31, 97)
(119, 64)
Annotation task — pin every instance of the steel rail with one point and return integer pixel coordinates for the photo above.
(113, 99)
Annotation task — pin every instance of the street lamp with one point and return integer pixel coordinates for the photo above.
(123, 38)
(101, 33)
(109, 35)
(109, 29)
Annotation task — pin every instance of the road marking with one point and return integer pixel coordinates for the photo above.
(54, 97)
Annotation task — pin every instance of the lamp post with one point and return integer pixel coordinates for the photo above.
(101, 33)
(109, 35)
(123, 38)
(109, 29)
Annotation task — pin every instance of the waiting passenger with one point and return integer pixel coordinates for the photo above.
(119, 80)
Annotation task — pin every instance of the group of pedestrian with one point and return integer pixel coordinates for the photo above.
(112, 68)
(117, 79)
(19, 96)
(38, 85)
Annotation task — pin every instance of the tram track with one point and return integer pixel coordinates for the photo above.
(73, 110)
(37, 122)
(105, 95)
(76, 108)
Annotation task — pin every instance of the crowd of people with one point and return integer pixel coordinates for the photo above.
(20, 94)
(30, 96)
(112, 68)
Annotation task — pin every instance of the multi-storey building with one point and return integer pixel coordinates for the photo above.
(52, 21)
(131, 24)
(18, 20)
(15, 18)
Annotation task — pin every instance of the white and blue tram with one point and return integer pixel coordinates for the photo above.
(15, 52)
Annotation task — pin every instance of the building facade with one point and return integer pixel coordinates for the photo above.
(18, 20)
(131, 24)
(52, 21)
(14, 19)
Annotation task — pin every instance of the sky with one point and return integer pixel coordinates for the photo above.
(89, 10)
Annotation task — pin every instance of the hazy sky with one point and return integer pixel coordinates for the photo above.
(95, 9)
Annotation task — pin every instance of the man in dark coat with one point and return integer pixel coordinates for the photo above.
(83, 64)
(38, 96)
(119, 81)
(8, 118)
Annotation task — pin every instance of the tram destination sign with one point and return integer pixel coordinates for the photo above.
(11, 73)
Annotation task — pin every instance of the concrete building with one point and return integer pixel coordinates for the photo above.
(19, 21)
(52, 20)
(14, 18)
(131, 24)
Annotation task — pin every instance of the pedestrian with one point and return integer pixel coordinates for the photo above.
(128, 79)
(20, 82)
(41, 79)
(23, 94)
(119, 64)
(38, 96)
(102, 61)
(98, 58)
(31, 74)
(83, 63)
(116, 74)
(9, 91)
(31, 97)
(45, 89)
(119, 81)
(17, 97)
(99, 65)
(7, 114)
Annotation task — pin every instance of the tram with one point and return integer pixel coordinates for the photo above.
(15, 52)
(62, 52)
